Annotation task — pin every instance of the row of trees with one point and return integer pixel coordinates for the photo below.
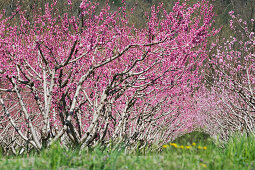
(92, 77)
(232, 79)
(95, 79)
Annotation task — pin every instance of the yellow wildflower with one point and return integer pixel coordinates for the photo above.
(188, 147)
(204, 147)
(203, 165)
(193, 144)
(181, 146)
(165, 146)
(174, 145)
(199, 147)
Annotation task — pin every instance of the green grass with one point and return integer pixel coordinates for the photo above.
(238, 153)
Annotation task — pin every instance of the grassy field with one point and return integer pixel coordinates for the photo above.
(184, 153)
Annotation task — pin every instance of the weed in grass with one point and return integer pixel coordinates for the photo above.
(237, 154)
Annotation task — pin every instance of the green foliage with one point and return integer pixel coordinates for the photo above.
(241, 148)
(1, 153)
(194, 137)
(117, 3)
(238, 154)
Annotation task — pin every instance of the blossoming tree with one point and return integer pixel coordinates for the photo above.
(233, 79)
(98, 78)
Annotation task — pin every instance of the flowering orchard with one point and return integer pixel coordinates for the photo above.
(232, 79)
(99, 79)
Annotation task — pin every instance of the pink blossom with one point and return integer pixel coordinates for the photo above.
(231, 12)
(107, 79)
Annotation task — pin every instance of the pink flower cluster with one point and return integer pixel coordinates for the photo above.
(96, 78)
